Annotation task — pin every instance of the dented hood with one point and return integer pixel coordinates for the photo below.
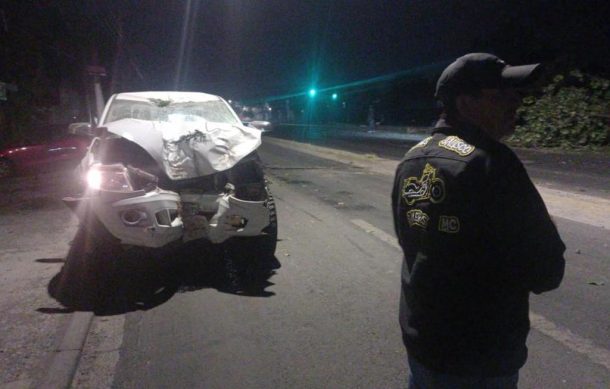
(190, 149)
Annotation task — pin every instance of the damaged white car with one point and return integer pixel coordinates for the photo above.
(169, 167)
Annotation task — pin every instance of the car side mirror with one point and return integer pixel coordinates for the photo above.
(82, 128)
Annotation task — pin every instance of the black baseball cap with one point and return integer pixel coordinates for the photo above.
(477, 71)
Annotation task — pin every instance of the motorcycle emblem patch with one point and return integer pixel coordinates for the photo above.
(457, 145)
(416, 217)
(426, 187)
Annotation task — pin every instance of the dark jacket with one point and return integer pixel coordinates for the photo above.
(477, 238)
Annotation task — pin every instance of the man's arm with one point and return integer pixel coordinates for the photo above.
(523, 231)
(396, 203)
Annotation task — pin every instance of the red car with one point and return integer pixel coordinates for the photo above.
(60, 153)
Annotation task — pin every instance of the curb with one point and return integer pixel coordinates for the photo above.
(63, 366)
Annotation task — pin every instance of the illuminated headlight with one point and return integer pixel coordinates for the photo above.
(113, 178)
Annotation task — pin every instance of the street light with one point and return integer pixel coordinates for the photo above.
(312, 93)
(335, 96)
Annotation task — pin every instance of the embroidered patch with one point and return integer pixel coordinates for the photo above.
(426, 187)
(417, 217)
(449, 224)
(422, 143)
(457, 145)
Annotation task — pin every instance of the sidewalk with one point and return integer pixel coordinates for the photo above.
(561, 201)
(579, 171)
(342, 130)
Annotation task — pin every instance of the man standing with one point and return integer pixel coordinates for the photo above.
(475, 233)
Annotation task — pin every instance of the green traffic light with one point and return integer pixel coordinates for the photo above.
(335, 96)
(312, 92)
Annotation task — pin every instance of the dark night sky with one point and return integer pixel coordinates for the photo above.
(254, 48)
(245, 47)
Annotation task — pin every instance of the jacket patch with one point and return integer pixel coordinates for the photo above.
(417, 217)
(426, 187)
(457, 145)
(449, 224)
(422, 143)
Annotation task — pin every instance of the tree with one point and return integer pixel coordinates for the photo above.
(572, 111)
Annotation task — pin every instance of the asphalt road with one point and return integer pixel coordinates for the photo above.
(327, 318)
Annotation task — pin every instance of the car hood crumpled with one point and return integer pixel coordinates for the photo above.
(189, 149)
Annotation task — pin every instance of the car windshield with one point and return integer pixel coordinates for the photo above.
(168, 111)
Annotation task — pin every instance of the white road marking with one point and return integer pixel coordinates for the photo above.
(564, 336)
(572, 341)
(377, 233)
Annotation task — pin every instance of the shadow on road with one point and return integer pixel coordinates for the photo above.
(118, 282)
(51, 260)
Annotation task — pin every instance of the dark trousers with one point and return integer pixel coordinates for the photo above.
(421, 377)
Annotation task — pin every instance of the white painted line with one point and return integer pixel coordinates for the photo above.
(377, 233)
(564, 336)
(572, 341)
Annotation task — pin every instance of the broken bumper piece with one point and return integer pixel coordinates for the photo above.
(156, 218)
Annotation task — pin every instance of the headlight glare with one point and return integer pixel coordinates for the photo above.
(94, 179)
(113, 178)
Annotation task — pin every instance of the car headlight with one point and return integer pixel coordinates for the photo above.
(113, 178)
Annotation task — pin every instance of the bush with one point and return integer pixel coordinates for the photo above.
(572, 111)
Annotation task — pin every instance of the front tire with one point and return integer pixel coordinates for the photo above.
(92, 237)
(90, 262)
(250, 261)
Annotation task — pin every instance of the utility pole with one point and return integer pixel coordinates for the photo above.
(97, 72)
(120, 43)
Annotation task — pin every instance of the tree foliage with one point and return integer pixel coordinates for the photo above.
(573, 111)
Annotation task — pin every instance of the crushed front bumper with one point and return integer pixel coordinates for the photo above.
(158, 217)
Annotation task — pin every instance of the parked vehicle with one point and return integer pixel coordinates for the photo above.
(165, 168)
(65, 151)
